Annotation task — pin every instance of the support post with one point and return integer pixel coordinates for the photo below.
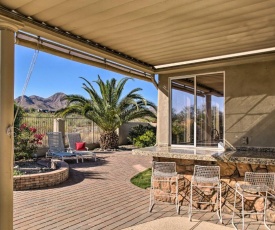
(163, 114)
(7, 29)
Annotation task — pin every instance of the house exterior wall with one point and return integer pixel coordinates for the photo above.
(249, 101)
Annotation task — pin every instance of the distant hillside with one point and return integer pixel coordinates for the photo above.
(51, 103)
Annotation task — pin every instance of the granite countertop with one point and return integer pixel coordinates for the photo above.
(204, 154)
(247, 157)
(179, 153)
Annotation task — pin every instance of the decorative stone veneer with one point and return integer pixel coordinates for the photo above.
(230, 174)
(42, 180)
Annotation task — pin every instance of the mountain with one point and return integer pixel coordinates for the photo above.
(51, 103)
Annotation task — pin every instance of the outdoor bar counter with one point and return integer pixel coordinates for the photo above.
(233, 165)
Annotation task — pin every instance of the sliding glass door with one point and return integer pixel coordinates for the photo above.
(197, 110)
(182, 113)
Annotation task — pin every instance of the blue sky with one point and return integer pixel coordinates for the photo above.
(53, 74)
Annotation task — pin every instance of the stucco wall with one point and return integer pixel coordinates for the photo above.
(250, 104)
(249, 100)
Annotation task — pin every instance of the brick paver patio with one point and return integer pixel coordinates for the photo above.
(98, 195)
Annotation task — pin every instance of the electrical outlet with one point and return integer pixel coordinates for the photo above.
(244, 140)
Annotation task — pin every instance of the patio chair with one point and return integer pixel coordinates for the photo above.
(206, 177)
(78, 147)
(255, 185)
(164, 174)
(56, 148)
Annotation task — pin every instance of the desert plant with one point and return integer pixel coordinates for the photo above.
(145, 140)
(108, 108)
(139, 130)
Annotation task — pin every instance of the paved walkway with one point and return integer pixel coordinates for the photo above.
(99, 195)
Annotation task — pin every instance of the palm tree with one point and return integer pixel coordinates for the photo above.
(109, 109)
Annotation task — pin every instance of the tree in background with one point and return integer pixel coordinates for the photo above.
(108, 108)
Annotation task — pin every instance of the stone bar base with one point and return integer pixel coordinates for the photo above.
(230, 174)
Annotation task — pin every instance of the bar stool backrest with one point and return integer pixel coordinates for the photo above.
(206, 172)
(261, 179)
(164, 169)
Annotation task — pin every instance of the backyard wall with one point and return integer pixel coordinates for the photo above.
(249, 99)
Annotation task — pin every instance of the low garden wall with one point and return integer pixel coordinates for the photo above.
(42, 180)
(230, 174)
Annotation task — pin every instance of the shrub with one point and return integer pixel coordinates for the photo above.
(26, 142)
(145, 140)
(18, 118)
(138, 131)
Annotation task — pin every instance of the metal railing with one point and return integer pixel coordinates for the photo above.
(88, 130)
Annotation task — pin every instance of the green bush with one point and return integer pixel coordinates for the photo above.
(18, 119)
(26, 142)
(138, 131)
(145, 140)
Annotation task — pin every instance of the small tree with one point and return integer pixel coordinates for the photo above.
(108, 108)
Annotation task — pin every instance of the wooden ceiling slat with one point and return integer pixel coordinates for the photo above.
(161, 32)
(179, 22)
(207, 43)
(144, 17)
(34, 7)
(62, 9)
(205, 30)
(15, 4)
(91, 17)
(210, 51)
(203, 54)
(86, 12)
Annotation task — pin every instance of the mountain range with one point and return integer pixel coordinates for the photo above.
(51, 103)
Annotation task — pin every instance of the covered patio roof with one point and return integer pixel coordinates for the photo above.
(145, 35)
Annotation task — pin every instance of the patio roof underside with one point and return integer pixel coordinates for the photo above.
(145, 34)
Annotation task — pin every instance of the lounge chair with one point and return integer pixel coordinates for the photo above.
(78, 147)
(56, 148)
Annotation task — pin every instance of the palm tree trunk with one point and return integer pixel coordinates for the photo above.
(108, 140)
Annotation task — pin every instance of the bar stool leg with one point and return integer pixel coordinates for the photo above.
(243, 213)
(220, 202)
(190, 203)
(265, 204)
(177, 196)
(152, 196)
(233, 213)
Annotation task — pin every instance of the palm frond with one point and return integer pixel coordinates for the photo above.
(107, 108)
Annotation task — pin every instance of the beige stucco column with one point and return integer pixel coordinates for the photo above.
(7, 29)
(163, 123)
(59, 126)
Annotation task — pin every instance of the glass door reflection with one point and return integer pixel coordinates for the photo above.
(182, 111)
(210, 100)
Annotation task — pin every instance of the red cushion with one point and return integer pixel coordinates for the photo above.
(80, 146)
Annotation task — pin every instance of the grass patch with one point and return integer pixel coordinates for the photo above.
(143, 179)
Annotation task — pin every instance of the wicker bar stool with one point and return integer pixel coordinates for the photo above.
(255, 185)
(206, 177)
(163, 172)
